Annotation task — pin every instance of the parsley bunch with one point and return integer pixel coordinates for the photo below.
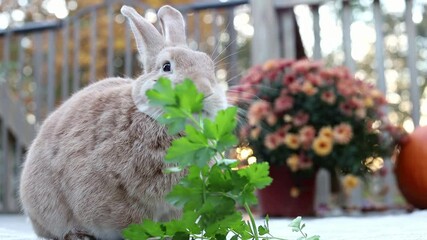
(208, 194)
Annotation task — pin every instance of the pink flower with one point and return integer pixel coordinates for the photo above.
(254, 76)
(271, 119)
(258, 111)
(343, 133)
(283, 103)
(305, 65)
(328, 97)
(304, 162)
(306, 135)
(272, 141)
(327, 75)
(285, 63)
(294, 87)
(345, 88)
(342, 73)
(271, 69)
(360, 113)
(301, 66)
(288, 79)
(356, 102)
(346, 109)
(281, 133)
(314, 79)
(300, 119)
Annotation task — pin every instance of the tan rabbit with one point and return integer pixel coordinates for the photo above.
(97, 163)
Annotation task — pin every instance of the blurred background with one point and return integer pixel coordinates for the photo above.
(51, 48)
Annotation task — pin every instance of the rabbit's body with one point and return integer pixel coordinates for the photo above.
(97, 163)
(76, 189)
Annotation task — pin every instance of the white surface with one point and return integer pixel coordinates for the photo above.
(411, 226)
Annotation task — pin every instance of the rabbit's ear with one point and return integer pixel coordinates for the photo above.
(148, 40)
(173, 26)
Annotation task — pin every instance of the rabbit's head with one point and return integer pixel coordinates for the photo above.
(167, 54)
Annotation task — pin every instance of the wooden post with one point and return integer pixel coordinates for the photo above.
(411, 32)
(346, 23)
(265, 42)
(288, 33)
(379, 47)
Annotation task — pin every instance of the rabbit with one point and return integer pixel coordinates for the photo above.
(96, 164)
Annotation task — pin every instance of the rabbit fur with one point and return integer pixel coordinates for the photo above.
(96, 165)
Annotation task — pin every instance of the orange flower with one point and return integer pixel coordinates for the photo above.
(271, 119)
(270, 65)
(292, 141)
(369, 102)
(350, 182)
(294, 192)
(343, 133)
(293, 162)
(326, 132)
(322, 146)
(255, 132)
(309, 89)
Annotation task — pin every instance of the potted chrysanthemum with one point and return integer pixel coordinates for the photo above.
(301, 117)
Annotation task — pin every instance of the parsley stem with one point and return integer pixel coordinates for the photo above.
(196, 123)
(275, 238)
(251, 216)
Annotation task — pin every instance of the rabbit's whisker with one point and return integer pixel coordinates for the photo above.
(228, 56)
(228, 45)
(219, 42)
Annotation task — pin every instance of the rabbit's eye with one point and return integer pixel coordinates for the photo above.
(166, 67)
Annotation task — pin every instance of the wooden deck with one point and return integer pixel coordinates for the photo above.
(384, 226)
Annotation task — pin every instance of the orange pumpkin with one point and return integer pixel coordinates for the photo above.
(411, 168)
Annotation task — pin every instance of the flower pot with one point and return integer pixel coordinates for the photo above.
(286, 197)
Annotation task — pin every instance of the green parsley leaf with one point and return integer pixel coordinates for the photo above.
(135, 232)
(188, 192)
(189, 99)
(221, 129)
(262, 230)
(162, 93)
(257, 174)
